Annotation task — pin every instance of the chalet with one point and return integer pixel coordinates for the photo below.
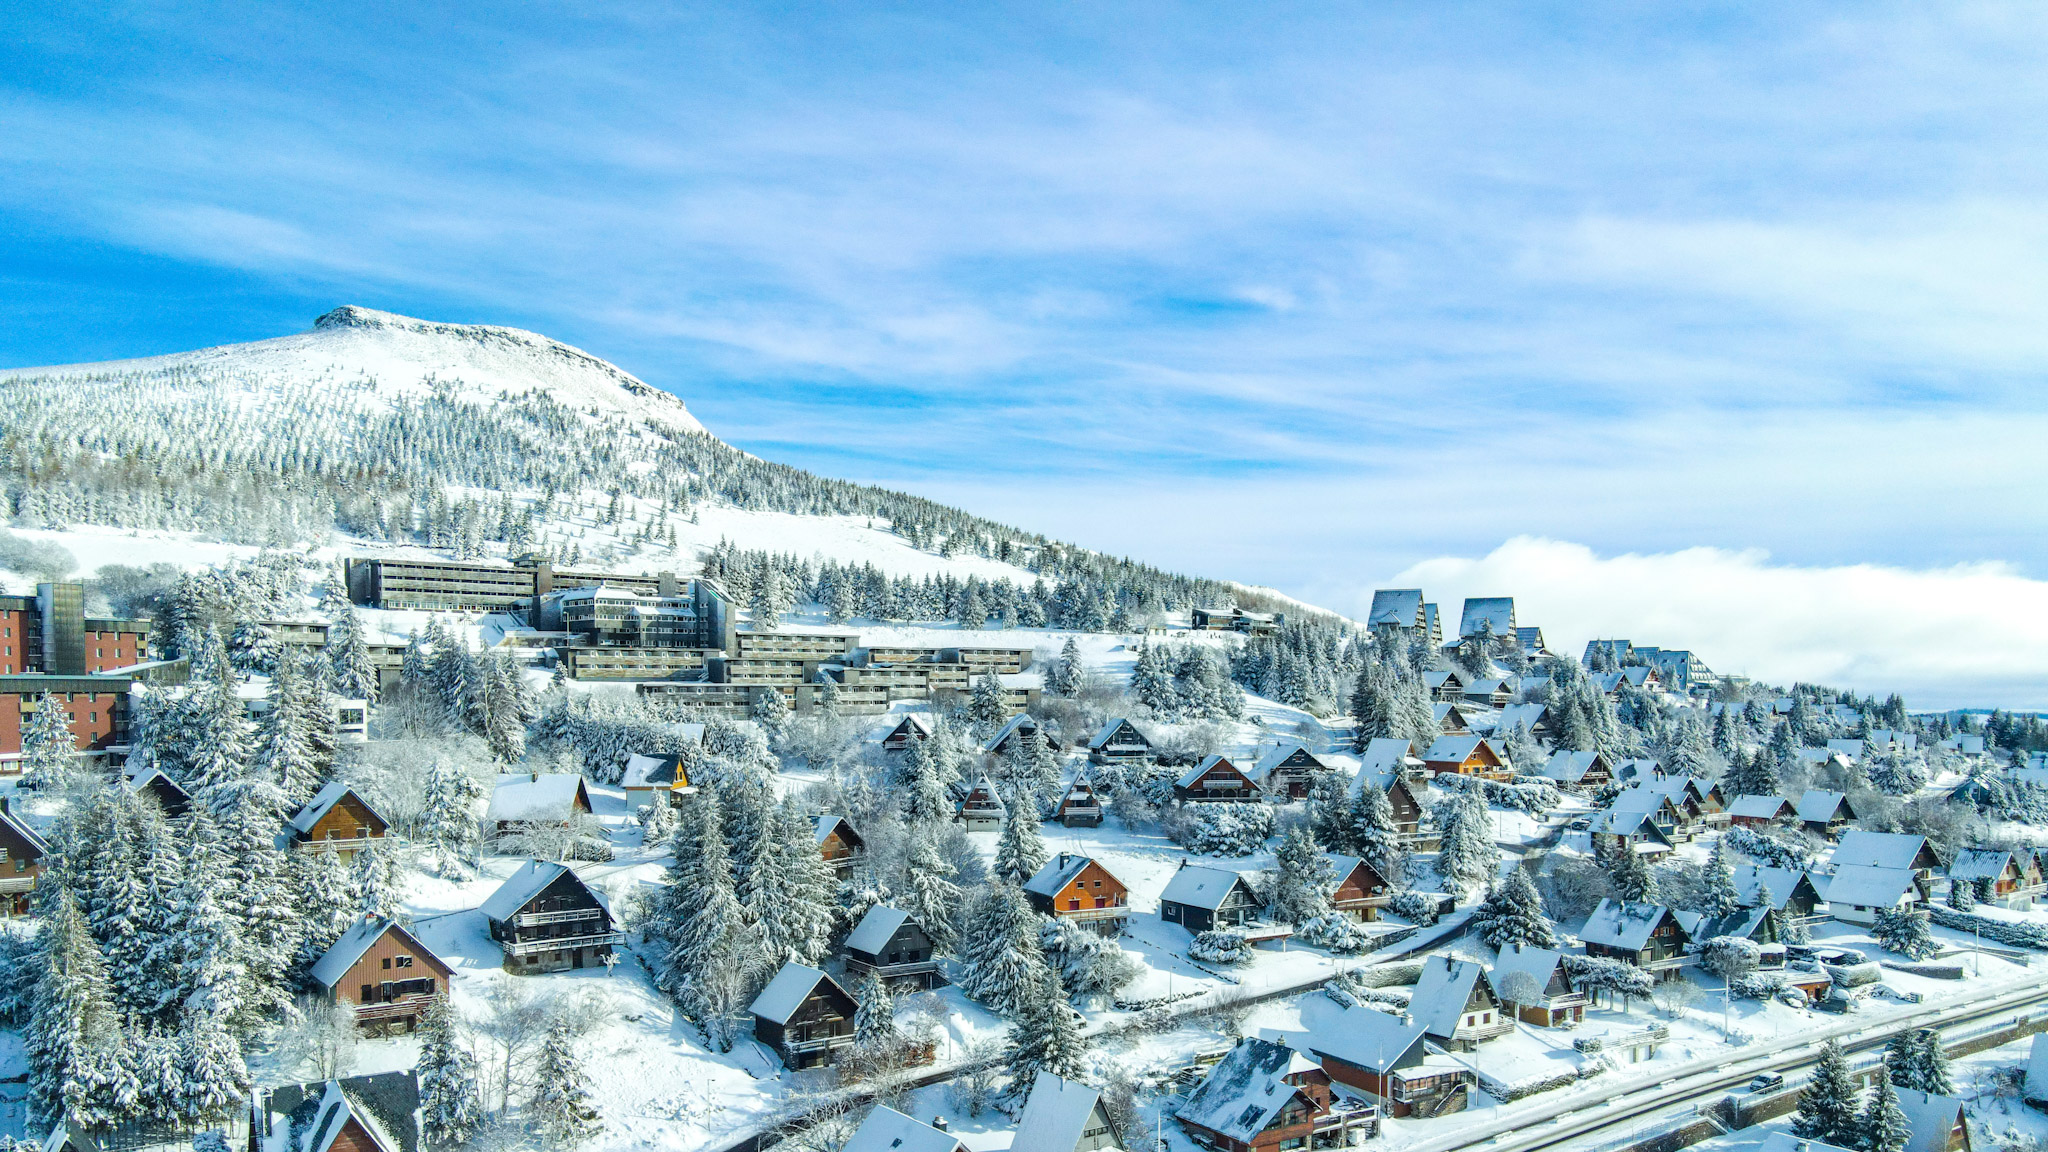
(1629, 771)
(1262, 1097)
(1079, 806)
(167, 793)
(547, 919)
(1761, 812)
(21, 863)
(1465, 756)
(805, 1016)
(1534, 718)
(1491, 692)
(1360, 890)
(1450, 719)
(1014, 727)
(1390, 755)
(1580, 772)
(1285, 773)
(1791, 891)
(1215, 780)
(913, 727)
(385, 972)
(1674, 815)
(841, 846)
(1755, 925)
(1119, 739)
(1554, 1003)
(1487, 616)
(892, 944)
(1887, 850)
(887, 1130)
(1397, 608)
(337, 820)
(647, 777)
(1063, 1115)
(1856, 893)
(377, 1113)
(1968, 747)
(981, 810)
(1649, 936)
(1456, 1005)
(1850, 750)
(1446, 687)
(1633, 828)
(1530, 638)
(1077, 888)
(1826, 813)
(2006, 879)
(1386, 1059)
(1408, 809)
(1937, 1123)
(1200, 899)
(537, 798)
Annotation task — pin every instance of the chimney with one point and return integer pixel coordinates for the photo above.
(939, 1122)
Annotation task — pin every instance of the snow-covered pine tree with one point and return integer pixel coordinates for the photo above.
(213, 1082)
(219, 747)
(714, 953)
(284, 748)
(1929, 1067)
(929, 892)
(1045, 1036)
(787, 894)
(1467, 856)
(1827, 1108)
(48, 749)
(1087, 963)
(376, 882)
(1718, 896)
(1633, 880)
(1375, 834)
(449, 820)
(1748, 776)
(348, 655)
(560, 1108)
(1904, 930)
(770, 711)
(450, 1106)
(74, 1036)
(1064, 677)
(874, 1023)
(1306, 879)
(1020, 850)
(924, 796)
(1513, 914)
(507, 708)
(985, 710)
(1883, 1125)
(1900, 1052)
(998, 948)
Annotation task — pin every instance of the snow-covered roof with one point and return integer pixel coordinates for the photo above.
(332, 1115)
(1781, 882)
(1056, 874)
(653, 771)
(342, 955)
(1188, 778)
(1869, 887)
(1442, 993)
(1368, 1038)
(1384, 755)
(1054, 1115)
(22, 830)
(1519, 716)
(911, 720)
(1199, 887)
(1497, 613)
(1819, 806)
(1758, 807)
(990, 803)
(828, 823)
(1741, 922)
(322, 802)
(1626, 822)
(1451, 749)
(1008, 729)
(1568, 767)
(787, 992)
(1981, 864)
(872, 934)
(1931, 1118)
(1877, 849)
(524, 885)
(535, 796)
(1616, 924)
(887, 1130)
(1277, 756)
(1109, 729)
(156, 777)
(1539, 964)
(1245, 1089)
(1398, 606)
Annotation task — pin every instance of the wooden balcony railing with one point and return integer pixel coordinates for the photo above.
(529, 919)
(560, 943)
(412, 1005)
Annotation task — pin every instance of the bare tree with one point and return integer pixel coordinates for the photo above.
(1675, 996)
(318, 1039)
(517, 1017)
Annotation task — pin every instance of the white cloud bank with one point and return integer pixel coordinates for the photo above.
(1969, 635)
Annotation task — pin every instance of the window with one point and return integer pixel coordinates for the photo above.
(1074, 904)
(405, 961)
(369, 995)
(387, 962)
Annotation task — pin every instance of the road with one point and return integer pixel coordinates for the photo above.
(1578, 1120)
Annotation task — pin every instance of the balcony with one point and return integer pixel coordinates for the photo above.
(413, 1005)
(14, 885)
(560, 943)
(892, 971)
(818, 1043)
(1113, 912)
(352, 844)
(529, 919)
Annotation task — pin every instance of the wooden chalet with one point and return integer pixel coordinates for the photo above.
(1201, 899)
(841, 846)
(1285, 773)
(1064, 1115)
(336, 820)
(1450, 719)
(1078, 888)
(1360, 891)
(913, 728)
(1856, 893)
(1633, 829)
(1936, 1123)
(537, 798)
(166, 792)
(805, 1016)
(1079, 805)
(1456, 1005)
(1580, 772)
(1676, 817)
(1533, 717)
(1447, 686)
(887, 1130)
(385, 972)
(547, 919)
(1888, 850)
(981, 810)
(1118, 740)
(1491, 692)
(1465, 756)
(1386, 1058)
(1792, 891)
(1824, 813)
(21, 861)
(1408, 809)
(1216, 780)
(1649, 936)
(2009, 880)
(1263, 1097)
(648, 778)
(378, 1113)
(892, 944)
(1556, 1004)
(1760, 812)
(1012, 729)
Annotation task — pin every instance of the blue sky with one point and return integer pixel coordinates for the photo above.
(1299, 295)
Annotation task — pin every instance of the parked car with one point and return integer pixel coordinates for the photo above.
(1841, 1007)
(1766, 1081)
(1891, 993)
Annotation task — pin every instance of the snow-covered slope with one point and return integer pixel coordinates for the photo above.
(405, 356)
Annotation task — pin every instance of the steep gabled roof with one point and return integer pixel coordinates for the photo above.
(330, 1116)
(1442, 993)
(343, 953)
(887, 1130)
(1109, 728)
(1055, 1115)
(876, 928)
(1519, 716)
(1877, 849)
(1870, 887)
(654, 772)
(536, 796)
(1369, 1039)
(20, 828)
(1782, 882)
(1981, 863)
(1616, 924)
(1244, 1091)
(828, 823)
(532, 878)
(1539, 964)
(1759, 807)
(788, 991)
(1568, 767)
(1386, 754)
(1189, 777)
(1451, 749)
(1931, 1118)
(323, 802)
(1819, 807)
(1008, 729)
(1497, 613)
(1278, 755)
(1060, 871)
(1397, 606)
(1199, 887)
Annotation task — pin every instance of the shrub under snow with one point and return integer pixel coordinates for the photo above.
(1221, 947)
(1221, 829)
(1334, 932)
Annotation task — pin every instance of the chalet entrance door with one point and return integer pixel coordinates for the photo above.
(576, 958)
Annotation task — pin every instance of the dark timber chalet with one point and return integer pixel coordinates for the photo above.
(1400, 797)
(1064, 1116)
(385, 972)
(1215, 780)
(21, 861)
(1200, 899)
(1649, 936)
(1360, 891)
(1070, 887)
(840, 845)
(1119, 740)
(805, 1016)
(174, 800)
(892, 944)
(912, 728)
(1016, 726)
(1386, 1058)
(336, 820)
(981, 810)
(1286, 772)
(547, 919)
(377, 1113)
(1266, 1097)
(1554, 1004)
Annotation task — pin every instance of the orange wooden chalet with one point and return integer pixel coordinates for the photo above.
(1077, 888)
(1215, 780)
(339, 820)
(385, 972)
(1465, 756)
(1361, 890)
(841, 846)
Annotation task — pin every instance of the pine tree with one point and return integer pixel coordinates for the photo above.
(1375, 834)
(770, 711)
(1045, 1036)
(284, 751)
(1904, 930)
(1306, 879)
(450, 1106)
(348, 655)
(506, 708)
(1020, 850)
(1513, 914)
(449, 822)
(1064, 677)
(73, 1039)
(1466, 854)
(985, 709)
(48, 749)
(930, 894)
(560, 1109)
(924, 802)
(999, 947)
(219, 746)
(1718, 897)
(1749, 776)
(213, 1081)
(787, 894)
(1900, 1054)
(713, 953)
(1930, 1066)
(1883, 1126)
(874, 1024)
(1827, 1108)
(377, 883)
(1633, 881)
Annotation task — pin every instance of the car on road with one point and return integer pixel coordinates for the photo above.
(1840, 1007)
(1766, 1081)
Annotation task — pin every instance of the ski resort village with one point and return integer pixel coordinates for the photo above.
(420, 736)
